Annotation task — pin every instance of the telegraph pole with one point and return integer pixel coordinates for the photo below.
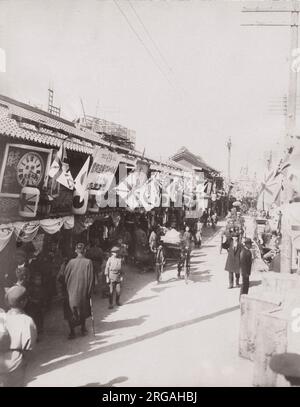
(293, 8)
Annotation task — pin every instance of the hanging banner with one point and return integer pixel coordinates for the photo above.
(6, 232)
(26, 232)
(68, 222)
(103, 169)
(51, 226)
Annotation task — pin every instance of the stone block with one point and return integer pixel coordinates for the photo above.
(251, 307)
(271, 338)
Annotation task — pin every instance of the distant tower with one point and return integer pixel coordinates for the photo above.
(51, 108)
(229, 144)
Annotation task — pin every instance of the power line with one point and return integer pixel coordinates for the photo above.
(143, 43)
(149, 36)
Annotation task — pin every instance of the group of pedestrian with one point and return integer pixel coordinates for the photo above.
(78, 279)
(238, 263)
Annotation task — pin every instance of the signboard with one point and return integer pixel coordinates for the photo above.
(23, 165)
(105, 164)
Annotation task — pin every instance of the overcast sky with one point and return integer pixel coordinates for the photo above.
(208, 78)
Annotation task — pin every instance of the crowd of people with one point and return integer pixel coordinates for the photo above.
(260, 252)
(97, 266)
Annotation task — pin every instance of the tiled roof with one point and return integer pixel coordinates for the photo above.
(27, 123)
(195, 160)
(24, 122)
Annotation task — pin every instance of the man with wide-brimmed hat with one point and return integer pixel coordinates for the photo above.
(114, 276)
(78, 280)
(245, 264)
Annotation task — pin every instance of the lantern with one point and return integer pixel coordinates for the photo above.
(79, 207)
(29, 200)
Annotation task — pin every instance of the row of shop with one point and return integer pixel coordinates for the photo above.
(41, 215)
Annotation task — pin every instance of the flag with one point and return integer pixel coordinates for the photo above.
(127, 190)
(81, 180)
(64, 176)
(57, 163)
(149, 194)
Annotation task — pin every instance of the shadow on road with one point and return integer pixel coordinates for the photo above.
(111, 383)
(55, 352)
(141, 299)
(111, 347)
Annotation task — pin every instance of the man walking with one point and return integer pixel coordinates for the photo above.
(114, 276)
(245, 264)
(233, 260)
(78, 278)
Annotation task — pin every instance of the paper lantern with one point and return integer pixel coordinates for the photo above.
(79, 207)
(92, 202)
(29, 200)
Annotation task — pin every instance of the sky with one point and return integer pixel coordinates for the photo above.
(178, 72)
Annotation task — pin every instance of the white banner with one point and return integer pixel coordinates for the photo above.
(105, 164)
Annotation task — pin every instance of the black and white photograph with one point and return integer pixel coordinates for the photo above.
(149, 196)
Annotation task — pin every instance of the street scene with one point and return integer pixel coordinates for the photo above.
(149, 194)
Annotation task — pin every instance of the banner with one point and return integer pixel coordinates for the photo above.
(28, 231)
(103, 169)
(129, 188)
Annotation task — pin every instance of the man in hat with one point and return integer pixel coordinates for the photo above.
(22, 334)
(245, 264)
(233, 260)
(114, 276)
(78, 279)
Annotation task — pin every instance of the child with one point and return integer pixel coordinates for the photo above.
(22, 333)
(114, 276)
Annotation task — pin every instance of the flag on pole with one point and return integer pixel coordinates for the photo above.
(81, 180)
(57, 163)
(63, 175)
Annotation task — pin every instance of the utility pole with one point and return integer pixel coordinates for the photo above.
(293, 8)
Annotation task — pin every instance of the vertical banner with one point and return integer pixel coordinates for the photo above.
(103, 169)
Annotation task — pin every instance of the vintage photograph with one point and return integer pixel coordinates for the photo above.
(149, 195)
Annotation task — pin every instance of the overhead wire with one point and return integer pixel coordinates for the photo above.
(142, 42)
(149, 35)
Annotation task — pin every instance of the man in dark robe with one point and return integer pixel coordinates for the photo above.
(245, 264)
(233, 260)
(78, 280)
